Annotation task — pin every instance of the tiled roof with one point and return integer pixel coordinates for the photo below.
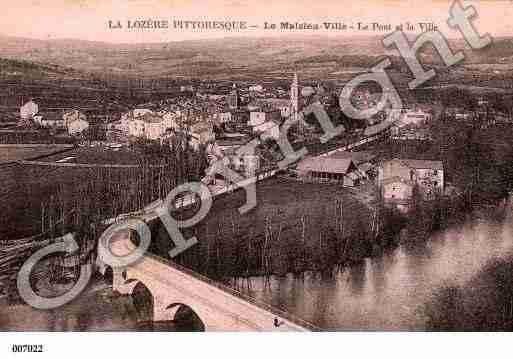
(325, 164)
(357, 157)
(150, 118)
(375, 129)
(422, 164)
(270, 102)
(51, 116)
(233, 141)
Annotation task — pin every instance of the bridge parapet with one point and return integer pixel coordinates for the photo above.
(278, 313)
(219, 307)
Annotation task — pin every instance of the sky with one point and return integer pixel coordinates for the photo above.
(88, 19)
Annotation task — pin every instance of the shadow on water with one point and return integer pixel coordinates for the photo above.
(184, 320)
(357, 278)
(458, 278)
(143, 302)
(485, 303)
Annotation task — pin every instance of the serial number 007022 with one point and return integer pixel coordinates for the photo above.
(27, 348)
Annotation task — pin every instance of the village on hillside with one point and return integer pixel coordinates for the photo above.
(389, 182)
(221, 123)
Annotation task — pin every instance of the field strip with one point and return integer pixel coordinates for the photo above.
(82, 165)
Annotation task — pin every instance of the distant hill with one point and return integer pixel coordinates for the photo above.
(500, 51)
(10, 67)
(218, 57)
(178, 58)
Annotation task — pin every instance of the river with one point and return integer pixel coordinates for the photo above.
(383, 293)
(390, 291)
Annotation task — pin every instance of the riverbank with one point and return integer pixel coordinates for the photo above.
(484, 303)
(98, 308)
(391, 291)
(295, 227)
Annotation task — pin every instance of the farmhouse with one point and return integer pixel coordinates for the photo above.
(330, 169)
(364, 161)
(51, 120)
(428, 175)
(28, 110)
(232, 142)
(76, 122)
(284, 106)
(266, 121)
(397, 191)
(411, 117)
(149, 125)
(201, 133)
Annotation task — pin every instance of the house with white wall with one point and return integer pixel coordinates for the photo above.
(396, 176)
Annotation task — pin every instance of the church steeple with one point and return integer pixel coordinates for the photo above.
(294, 97)
(233, 98)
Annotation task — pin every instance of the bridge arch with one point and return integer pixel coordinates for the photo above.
(177, 293)
(108, 275)
(143, 301)
(185, 317)
(167, 303)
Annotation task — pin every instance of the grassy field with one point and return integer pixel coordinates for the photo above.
(25, 187)
(294, 226)
(9, 153)
(97, 155)
(90, 191)
(29, 187)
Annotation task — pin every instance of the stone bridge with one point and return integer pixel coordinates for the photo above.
(218, 307)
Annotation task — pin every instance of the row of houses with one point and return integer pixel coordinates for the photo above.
(72, 121)
(396, 178)
(262, 115)
(159, 126)
(146, 123)
(246, 163)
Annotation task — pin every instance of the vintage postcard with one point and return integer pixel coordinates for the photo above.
(246, 166)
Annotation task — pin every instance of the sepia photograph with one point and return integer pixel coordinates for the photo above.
(254, 166)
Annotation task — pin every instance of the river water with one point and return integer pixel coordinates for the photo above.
(389, 292)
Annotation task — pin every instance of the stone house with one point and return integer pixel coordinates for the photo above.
(427, 174)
